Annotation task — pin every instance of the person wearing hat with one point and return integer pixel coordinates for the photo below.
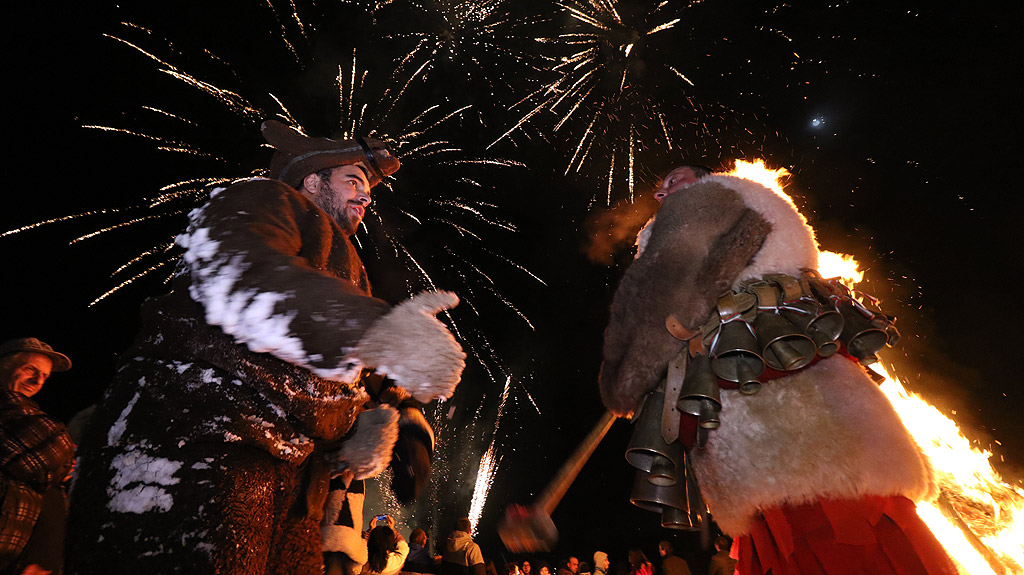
(245, 391)
(36, 453)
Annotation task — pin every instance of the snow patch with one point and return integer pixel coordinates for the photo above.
(141, 499)
(117, 430)
(149, 475)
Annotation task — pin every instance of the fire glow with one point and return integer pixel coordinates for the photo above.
(978, 518)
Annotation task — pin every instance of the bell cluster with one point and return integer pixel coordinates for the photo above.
(780, 323)
(767, 327)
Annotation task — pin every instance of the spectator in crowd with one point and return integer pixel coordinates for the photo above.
(461, 555)
(571, 567)
(386, 550)
(601, 563)
(638, 563)
(721, 562)
(36, 454)
(419, 560)
(526, 568)
(490, 568)
(544, 569)
(670, 563)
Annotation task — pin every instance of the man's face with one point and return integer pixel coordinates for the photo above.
(29, 377)
(574, 565)
(344, 196)
(674, 181)
(605, 564)
(662, 551)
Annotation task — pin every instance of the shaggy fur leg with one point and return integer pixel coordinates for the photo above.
(231, 510)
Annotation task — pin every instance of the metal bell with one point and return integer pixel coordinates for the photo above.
(647, 450)
(785, 347)
(675, 518)
(700, 394)
(651, 497)
(892, 334)
(822, 325)
(735, 356)
(862, 337)
(690, 517)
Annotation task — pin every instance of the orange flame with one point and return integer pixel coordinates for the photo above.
(756, 171)
(842, 266)
(992, 509)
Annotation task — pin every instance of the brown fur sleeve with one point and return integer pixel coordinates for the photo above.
(702, 239)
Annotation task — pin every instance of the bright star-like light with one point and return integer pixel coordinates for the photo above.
(817, 121)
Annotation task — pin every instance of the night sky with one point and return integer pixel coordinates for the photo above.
(899, 121)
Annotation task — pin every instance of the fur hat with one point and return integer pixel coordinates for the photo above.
(33, 345)
(298, 155)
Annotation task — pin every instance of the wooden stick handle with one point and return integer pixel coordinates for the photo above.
(567, 474)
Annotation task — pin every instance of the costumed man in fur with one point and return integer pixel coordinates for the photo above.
(806, 464)
(212, 450)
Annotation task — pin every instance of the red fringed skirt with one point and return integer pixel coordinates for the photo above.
(868, 536)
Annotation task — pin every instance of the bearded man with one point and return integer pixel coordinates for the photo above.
(244, 393)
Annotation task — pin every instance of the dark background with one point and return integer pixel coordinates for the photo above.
(913, 172)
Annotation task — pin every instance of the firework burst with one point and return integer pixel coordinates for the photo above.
(481, 45)
(632, 89)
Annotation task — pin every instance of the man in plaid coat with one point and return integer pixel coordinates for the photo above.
(36, 455)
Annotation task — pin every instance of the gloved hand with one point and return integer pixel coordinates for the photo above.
(413, 348)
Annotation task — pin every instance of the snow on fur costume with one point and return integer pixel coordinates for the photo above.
(259, 345)
(822, 434)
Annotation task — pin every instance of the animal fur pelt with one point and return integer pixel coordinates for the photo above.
(414, 348)
(701, 241)
(826, 432)
(367, 451)
(342, 525)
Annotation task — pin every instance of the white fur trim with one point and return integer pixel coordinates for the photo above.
(414, 348)
(368, 451)
(790, 246)
(340, 538)
(824, 432)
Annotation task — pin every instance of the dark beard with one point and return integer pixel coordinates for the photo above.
(329, 202)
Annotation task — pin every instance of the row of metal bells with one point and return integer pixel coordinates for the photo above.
(648, 451)
(820, 324)
(786, 340)
(700, 394)
(865, 336)
(663, 483)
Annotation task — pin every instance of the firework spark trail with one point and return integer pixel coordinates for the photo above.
(124, 224)
(489, 464)
(192, 191)
(128, 281)
(162, 248)
(60, 219)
